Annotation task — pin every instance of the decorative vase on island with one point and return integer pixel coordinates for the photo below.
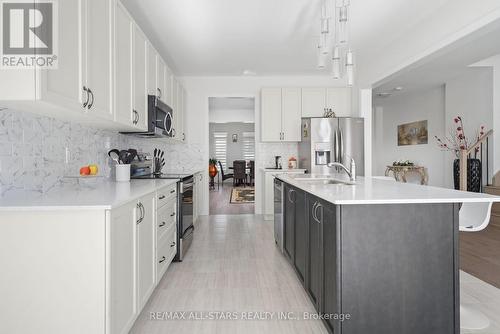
(212, 170)
(474, 174)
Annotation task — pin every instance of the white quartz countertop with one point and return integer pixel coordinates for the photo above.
(377, 191)
(284, 170)
(104, 194)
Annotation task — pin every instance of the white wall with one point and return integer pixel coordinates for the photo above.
(469, 96)
(229, 116)
(234, 151)
(405, 108)
(199, 89)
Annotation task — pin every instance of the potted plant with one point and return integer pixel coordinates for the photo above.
(457, 141)
(212, 168)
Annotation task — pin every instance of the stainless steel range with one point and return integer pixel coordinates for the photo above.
(185, 227)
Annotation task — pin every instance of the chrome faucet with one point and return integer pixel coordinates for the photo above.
(351, 172)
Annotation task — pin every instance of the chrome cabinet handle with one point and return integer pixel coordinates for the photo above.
(318, 206)
(341, 146)
(161, 197)
(290, 192)
(88, 96)
(172, 214)
(92, 96)
(162, 259)
(142, 210)
(162, 224)
(183, 136)
(314, 210)
(159, 93)
(140, 217)
(172, 244)
(172, 191)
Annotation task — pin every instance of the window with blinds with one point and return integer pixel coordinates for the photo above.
(220, 149)
(249, 145)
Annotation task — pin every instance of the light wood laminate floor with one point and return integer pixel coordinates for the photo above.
(219, 202)
(480, 254)
(233, 265)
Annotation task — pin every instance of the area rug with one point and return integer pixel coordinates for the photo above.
(242, 195)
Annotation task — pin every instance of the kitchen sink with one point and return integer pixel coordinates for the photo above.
(326, 179)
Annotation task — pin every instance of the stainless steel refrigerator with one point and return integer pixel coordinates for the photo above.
(327, 140)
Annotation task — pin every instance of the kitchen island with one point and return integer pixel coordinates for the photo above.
(381, 255)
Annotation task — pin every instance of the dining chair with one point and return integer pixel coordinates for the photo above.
(473, 217)
(224, 175)
(252, 173)
(239, 170)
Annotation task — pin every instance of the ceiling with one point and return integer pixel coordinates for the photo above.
(265, 37)
(446, 64)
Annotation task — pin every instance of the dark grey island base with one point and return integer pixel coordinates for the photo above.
(392, 268)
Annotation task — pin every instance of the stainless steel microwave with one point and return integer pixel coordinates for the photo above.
(160, 120)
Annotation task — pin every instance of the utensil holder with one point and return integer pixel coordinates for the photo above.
(123, 173)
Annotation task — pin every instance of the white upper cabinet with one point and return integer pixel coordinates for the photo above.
(339, 100)
(151, 75)
(168, 87)
(124, 113)
(271, 101)
(98, 71)
(64, 86)
(291, 114)
(174, 105)
(139, 79)
(313, 102)
(161, 91)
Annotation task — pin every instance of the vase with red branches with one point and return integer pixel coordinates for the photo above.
(458, 141)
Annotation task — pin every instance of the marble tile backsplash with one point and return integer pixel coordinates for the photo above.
(38, 153)
(267, 152)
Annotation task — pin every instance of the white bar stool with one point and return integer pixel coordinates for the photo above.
(474, 217)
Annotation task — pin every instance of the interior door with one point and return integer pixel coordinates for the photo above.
(146, 254)
(139, 78)
(99, 71)
(291, 114)
(123, 46)
(64, 86)
(271, 115)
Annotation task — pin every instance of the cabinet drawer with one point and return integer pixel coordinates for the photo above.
(166, 219)
(165, 195)
(167, 248)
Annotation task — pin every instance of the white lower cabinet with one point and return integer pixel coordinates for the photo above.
(199, 186)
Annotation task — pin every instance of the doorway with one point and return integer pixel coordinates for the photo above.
(232, 150)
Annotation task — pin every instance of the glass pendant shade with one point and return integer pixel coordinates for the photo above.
(336, 63)
(321, 60)
(349, 66)
(342, 31)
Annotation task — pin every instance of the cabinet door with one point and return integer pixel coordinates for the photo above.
(339, 99)
(168, 86)
(314, 268)
(313, 102)
(291, 114)
(99, 71)
(123, 49)
(145, 249)
(330, 300)
(139, 78)
(151, 76)
(64, 86)
(175, 108)
(161, 92)
(289, 232)
(301, 234)
(179, 120)
(122, 305)
(270, 118)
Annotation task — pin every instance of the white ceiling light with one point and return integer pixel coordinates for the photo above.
(336, 42)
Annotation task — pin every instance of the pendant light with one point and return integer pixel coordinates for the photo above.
(349, 67)
(336, 63)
